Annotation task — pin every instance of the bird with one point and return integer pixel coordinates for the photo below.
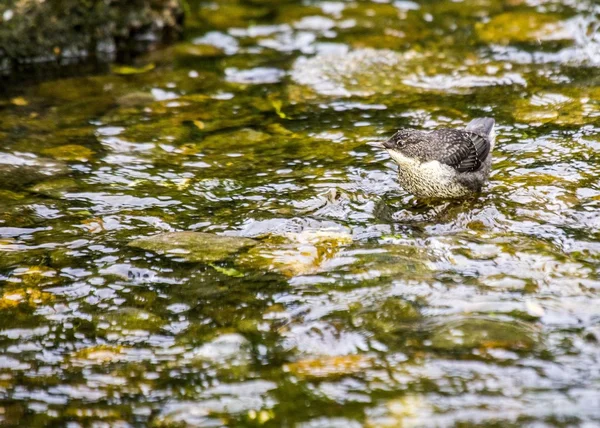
(444, 163)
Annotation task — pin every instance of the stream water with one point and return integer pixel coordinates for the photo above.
(355, 304)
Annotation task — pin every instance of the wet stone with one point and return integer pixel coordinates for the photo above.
(135, 99)
(198, 50)
(70, 152)
(233, 140)
(470, 333)
(561, 109)
(408, 410)
(283, 227)
(20, 170)
(102, 354)
(229, 348)
(391, 315)
(20, 215)
(194, 246)
(330, 366)
(361, 72)
(7, 195)
(519, 27)
(11, 298)
(130, 319)
(54, 188)
(298, 253)
(231, 398)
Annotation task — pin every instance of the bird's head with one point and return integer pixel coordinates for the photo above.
(401, 146)
(401, 139)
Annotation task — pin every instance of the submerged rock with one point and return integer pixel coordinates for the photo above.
(129, 319)
(469, 333)
(375, 72)
(521, 27)
(293, 250)
(194, 246)
(330, 366)
(231, 398)
(99, 354)
(578, 107)
(135, 99)
(70, 152)
(20, 170)
(391, 315)
(361, 72)
(234, 140)
(198, 50)
(12, 298)
(405, 411)
(284, 226)
(54, 188)
(229, 348)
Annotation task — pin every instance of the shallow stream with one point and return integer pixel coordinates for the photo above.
(339, 301)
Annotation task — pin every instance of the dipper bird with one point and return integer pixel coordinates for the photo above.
(445, 163)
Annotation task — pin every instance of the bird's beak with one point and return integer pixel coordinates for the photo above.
(378, 144)
(388, 145)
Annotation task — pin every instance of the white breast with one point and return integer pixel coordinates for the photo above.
(427, 179)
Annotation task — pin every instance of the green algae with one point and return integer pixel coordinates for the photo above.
(482, 333)
(19, 171)
(126, 319)
(305, 287)
(519, 27)
(193, 246)
(574, 107)
(55, 188)
(70, 152)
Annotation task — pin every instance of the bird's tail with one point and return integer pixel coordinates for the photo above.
(482, 126)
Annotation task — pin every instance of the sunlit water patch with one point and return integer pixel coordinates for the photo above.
(220, 240)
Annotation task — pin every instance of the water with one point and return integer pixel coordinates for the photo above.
(357, 305)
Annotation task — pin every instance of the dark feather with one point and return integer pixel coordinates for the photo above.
(463, 150)
(470, 153)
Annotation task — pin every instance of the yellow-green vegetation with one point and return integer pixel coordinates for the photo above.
(70, 152)
(485, 334)
(578, 106)
(520, 27)
(329, 367)
(212, 235)
(296, 254)
(194, 246)
(14, 298)
(102, 354)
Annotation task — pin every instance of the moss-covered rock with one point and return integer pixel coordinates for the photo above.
(520, 27)
(573, 107)
(70, 152)
(304, 253)
(361, 72)
(63, 29)
(229, 348)
(330, 367)
(235, 139)
(194, 246)
(20, 170)
(391, 315)
(54, 188)
(129, 319)
(470, 333)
